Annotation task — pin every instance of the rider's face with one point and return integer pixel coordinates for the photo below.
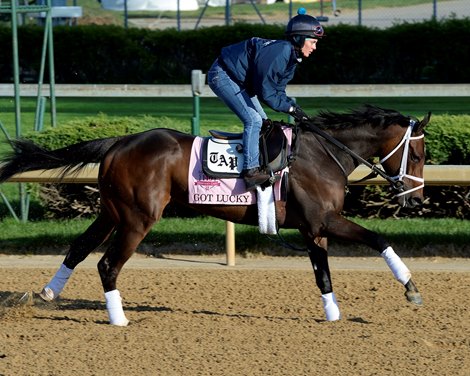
(309, 46)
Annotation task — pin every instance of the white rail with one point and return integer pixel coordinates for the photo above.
(392, 90)
(433, 175)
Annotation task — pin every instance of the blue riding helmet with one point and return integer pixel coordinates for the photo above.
(305, 26)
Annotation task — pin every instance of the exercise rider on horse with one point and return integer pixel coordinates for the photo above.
(257, 70)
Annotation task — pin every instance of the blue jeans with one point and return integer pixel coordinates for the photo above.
(247, 108)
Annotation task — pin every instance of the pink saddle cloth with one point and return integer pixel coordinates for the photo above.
(231, 191)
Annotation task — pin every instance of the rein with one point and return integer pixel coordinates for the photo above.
(395, 181)
(375, 170)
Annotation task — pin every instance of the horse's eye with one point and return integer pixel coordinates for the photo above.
(415, 158)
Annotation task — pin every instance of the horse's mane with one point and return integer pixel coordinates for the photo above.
(366, 114)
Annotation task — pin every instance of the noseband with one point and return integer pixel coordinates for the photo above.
(404, 161)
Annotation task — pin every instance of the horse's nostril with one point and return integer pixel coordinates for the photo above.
(415, 201)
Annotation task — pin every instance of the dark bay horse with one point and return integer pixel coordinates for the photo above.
(141, 173)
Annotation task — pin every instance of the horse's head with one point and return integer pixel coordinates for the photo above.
(403, 160)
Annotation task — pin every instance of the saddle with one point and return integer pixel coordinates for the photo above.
(222, 154)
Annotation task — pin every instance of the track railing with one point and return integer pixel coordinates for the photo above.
(433, 175)
(297, 91)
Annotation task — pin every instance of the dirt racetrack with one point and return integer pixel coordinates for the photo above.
(201, 318)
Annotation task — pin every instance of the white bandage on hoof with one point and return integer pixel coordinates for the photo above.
(398, 267)
(114, 307)
(57, 284)
(330, 305)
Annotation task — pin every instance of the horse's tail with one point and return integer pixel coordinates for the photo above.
(27, 156)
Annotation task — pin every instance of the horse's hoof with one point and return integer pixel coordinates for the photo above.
(414, 297)
(47, 294)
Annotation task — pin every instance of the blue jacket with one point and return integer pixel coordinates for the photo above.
(263, 67)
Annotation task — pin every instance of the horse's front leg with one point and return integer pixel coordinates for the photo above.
(319, 259)
(402, 274)
(344, 229)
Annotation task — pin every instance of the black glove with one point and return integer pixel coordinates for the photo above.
(298, 114)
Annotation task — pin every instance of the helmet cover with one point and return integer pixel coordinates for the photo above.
(304, 25)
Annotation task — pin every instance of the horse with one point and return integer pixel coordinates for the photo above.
(141, 173)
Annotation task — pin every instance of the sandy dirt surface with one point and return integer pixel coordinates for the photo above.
(195, 316)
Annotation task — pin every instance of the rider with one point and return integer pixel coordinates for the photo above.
(257, 70)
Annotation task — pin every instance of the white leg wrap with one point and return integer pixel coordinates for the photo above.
(57, 283)
(330, 305)
(399, 269)
(114, 306)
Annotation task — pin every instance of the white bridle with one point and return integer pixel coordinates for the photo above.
(404, 160)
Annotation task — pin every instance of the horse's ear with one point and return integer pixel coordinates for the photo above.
(423, 123)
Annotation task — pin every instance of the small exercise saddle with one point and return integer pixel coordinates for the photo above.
(222, 153)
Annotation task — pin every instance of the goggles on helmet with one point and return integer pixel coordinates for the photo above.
(318, 31)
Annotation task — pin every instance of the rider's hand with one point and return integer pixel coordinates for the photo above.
(298, 114)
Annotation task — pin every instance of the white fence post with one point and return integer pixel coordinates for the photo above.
(230, 243)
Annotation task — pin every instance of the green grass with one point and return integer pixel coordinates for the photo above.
(213, 112)
(206, 235)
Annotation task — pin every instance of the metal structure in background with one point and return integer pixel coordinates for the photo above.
(228, 17)
(321, 17)
(197, 84)
(14, 9)
(371, 21)
(357, 13)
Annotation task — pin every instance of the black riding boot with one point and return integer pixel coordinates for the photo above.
(254, 177)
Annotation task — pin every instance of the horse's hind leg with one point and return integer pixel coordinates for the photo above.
(319, 259)
(86, 243)
(127, 238)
